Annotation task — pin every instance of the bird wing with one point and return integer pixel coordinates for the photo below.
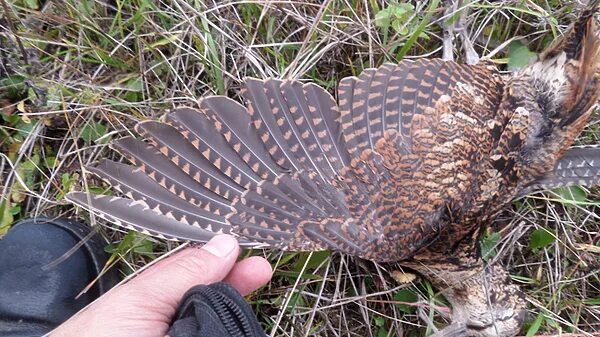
(578, 166)
(375, 175)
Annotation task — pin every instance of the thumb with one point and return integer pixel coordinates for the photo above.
(145, 305)
(167, 281)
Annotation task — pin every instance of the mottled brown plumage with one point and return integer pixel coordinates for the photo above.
(408, 165)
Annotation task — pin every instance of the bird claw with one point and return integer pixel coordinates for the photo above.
(449, 28)
(471, 56)
(448, 48)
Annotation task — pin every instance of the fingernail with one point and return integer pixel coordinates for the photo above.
(221, 245)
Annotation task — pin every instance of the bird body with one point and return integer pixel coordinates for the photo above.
(408, 165)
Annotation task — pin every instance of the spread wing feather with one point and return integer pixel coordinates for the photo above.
(408, 99)
(169, 176)
(345, 100)
(379, 175)
(261, 112)
(378, 92)
(232, 120)
(200, 131)
(136, 215)
(182, 153)
(292, 123)
(298, 108)
(360, 116)
(293, 169)
(136, 185)
(326, 121)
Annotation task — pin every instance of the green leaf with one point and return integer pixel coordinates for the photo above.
(379, 322)
(383, 18)
(123, 246)
(99, 190)
(419, 29)
(403, 10)
(28, 169)
(535, 326)
(132, 242)
(400, 27)
(11, 120)
(488, 245)
(15, 210)
(33, 4)
(519, 55)
(24, 129)
(50, 161)
(161, 42)
(13, 87)
(293, 275)
(135, 84)
(67, 181)
(145, 247)
(296, 300)
(287, 257)
(572, 194)
(316, 259)
(406, 296)
(6, 217)
(382, 332)
(92, 131)
(397, 15)
(592, 301)
(107, 59)
(541, 238)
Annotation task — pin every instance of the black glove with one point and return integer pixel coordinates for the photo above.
(216, 310)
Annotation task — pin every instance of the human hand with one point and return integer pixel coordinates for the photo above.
(145, 305)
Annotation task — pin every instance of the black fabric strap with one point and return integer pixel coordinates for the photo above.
(216, 310)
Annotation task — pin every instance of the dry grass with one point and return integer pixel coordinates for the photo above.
(88, 70)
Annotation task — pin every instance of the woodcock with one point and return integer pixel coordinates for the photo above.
(408, 166)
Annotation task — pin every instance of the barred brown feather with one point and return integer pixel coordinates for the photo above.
(138, 186)
(138, 216)
(345, 94)
(169, 176)
(200, 131)
(414, 157)
(233, 122)
(172, 144)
